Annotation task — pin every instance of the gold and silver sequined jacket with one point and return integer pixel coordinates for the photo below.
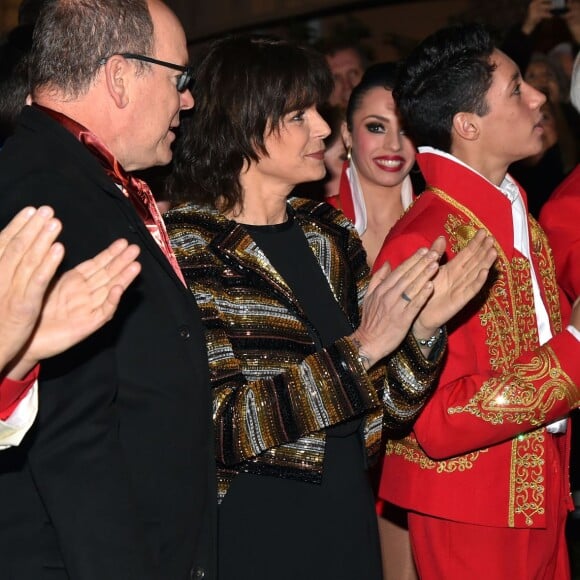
(274, 393)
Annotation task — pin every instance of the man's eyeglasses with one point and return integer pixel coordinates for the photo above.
(184, 80)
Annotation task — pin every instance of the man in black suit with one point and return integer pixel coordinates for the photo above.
(116, 479)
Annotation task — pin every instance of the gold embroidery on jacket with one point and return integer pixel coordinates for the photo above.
(527, 482)
(514, 398)
(409, 449)
(547, 273)
(508, 316)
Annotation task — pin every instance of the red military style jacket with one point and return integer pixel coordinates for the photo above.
(479, 451)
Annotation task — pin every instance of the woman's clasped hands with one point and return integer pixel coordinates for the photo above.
(421, 295)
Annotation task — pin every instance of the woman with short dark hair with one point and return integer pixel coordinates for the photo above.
(304, 354)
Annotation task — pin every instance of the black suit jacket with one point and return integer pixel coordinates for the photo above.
(116, 479)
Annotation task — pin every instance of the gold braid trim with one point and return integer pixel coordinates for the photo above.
(527, 491)
(409, 449)
(526, 394)
(513, 396)
(508, 315)
(501, 308)
(547, 272)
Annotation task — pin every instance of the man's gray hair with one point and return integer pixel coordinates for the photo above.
(71, 37)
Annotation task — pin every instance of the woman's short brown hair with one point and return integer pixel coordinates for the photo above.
(244, 86)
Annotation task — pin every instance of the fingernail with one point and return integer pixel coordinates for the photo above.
(44, 211)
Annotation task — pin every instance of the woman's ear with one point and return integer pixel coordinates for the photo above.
(346, 136)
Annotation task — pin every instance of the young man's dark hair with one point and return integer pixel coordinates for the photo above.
(448, 73)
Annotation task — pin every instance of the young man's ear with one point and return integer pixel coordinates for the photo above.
(466, 126)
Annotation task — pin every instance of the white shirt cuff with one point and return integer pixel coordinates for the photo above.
(15, 427)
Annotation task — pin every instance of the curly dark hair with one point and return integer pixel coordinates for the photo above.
(449, 72)
(244, 85)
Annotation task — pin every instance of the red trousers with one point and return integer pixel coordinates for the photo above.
(446, 550)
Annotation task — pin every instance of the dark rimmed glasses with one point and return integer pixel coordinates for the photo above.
(184, 80)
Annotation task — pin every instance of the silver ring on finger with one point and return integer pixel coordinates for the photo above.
(405, 297)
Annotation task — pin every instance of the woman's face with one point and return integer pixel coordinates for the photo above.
(381, 152)
(296, 149)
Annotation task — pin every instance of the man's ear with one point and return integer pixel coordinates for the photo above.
(118, 74)
(466, 126)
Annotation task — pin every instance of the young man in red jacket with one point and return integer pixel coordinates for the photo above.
(485, 471)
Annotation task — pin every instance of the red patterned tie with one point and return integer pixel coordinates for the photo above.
(135, 189)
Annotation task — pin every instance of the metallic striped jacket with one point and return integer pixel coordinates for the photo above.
(274, 393)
